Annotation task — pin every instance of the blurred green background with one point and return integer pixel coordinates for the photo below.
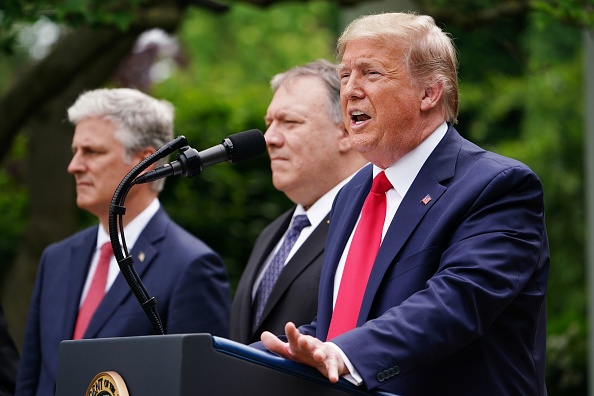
(521, 95)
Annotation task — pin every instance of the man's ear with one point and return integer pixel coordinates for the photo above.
(431, 96)
(145, 153)
(344, 141)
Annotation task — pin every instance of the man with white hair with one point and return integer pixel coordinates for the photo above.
(79, 291)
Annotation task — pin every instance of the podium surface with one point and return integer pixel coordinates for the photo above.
(190, 364)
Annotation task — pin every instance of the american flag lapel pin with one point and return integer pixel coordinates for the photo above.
(426, 200)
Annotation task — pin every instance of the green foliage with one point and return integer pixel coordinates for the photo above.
(521, 85)
(574, 12)
(13, 206)
(224, 89)
(118, 13)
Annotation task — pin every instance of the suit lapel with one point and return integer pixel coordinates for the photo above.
(439, 166)
(266, 242)
(266, 245)
(144, 254)
(344, 215)
(80, 253)
(303, 258)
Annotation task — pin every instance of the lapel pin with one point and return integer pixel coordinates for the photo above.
(141, 256)
(426, 200)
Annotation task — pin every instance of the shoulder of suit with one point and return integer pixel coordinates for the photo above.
(87, 234)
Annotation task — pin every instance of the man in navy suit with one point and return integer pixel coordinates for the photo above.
(311, 159)
(454, 303)
(115, 130)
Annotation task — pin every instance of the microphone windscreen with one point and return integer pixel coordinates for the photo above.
(247, 144)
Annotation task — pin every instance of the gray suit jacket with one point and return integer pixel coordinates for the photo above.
(295, 294)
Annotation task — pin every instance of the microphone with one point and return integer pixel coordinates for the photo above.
(235, 148)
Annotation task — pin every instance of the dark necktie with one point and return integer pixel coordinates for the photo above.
(277, 264)
(360, 258)
(96, 292)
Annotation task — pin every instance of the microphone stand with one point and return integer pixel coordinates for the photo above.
(116, 213)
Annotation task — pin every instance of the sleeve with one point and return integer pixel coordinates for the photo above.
(201, 298)
(489, 253)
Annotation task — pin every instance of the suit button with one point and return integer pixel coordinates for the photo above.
(380, 377)
(394, 371)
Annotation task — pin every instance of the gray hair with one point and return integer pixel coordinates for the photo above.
(430, 56)
(326, 72)
(141, 121)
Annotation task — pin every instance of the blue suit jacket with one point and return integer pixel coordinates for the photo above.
(455, 304)
(186, 277)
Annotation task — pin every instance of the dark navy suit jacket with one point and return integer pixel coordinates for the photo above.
(186, 277)
(455, 303)
(295, 294)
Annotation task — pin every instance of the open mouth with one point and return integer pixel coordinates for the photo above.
(358, 117)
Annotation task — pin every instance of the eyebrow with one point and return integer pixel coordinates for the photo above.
(358, 64)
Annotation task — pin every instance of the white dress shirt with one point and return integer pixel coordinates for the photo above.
(401, 174)
(316, 214)
(132, 231)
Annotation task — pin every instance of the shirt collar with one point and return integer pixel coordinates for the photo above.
(403, 172)
(133, 230)
(318, 211)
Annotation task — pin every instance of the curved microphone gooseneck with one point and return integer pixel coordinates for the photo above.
(124, 260)
(234, 148)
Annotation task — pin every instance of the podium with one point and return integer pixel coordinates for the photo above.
(189, 364)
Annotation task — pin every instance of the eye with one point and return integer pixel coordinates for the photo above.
(371, 72)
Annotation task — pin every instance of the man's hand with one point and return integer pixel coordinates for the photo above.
(307, 350)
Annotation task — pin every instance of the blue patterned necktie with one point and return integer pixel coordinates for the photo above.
(277, 264)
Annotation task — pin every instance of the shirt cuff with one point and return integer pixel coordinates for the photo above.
(353, 375)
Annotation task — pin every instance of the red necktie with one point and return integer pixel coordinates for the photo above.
(360, 258)
(96, 292)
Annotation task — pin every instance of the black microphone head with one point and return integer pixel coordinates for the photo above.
(245, 145)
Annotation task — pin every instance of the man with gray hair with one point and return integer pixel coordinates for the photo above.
(79, 291)
(311, 158)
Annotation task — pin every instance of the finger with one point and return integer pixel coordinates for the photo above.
(329, 362)
(292, 333)
(273, 344)
(332, 369)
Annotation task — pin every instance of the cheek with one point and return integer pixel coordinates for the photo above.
(112, 177)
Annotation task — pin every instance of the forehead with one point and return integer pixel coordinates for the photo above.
(299, 94)
(94, 130)
(372, 51)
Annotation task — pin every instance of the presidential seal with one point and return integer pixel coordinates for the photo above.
(107, 383)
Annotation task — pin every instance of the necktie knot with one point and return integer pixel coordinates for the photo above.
(381, 184)
(300, 222)
(106, 250)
